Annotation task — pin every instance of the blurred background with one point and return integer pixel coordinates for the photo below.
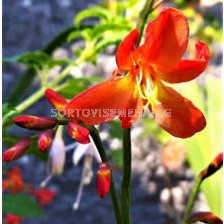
(163, 167)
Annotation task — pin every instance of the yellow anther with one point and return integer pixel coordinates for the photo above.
(139, 88)
(148, 92)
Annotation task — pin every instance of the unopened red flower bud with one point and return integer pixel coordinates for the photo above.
(57, 101)
(103, 179)
(214, 166)
(79, 133)
(45, 140)
(206, 217)
(35, 123)
(16, 151)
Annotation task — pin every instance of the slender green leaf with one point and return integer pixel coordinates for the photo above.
(97, 12)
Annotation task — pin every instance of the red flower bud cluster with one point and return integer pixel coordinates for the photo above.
(14, 183)
(76, 131)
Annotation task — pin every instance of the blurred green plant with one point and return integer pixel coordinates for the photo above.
(208, 143)
(204, 145)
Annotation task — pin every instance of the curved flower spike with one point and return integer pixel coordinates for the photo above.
(35, 123)
(205, 217)
(103, 179)
(158, 59)
(17, 151)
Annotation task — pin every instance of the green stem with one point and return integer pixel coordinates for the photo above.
(37, 95)
(126, 179)
(113, 193)
(191, 200)
(142, 19)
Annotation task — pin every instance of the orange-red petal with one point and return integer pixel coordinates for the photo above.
(176, 114)
(123, 54)
(166, 40)
(56, 100)
(133, 111)
(186, 70)
(102, 102)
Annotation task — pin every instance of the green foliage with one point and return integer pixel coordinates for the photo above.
(33, 150)
(27, 78)
(20, 204)
(204, 146)
(73, 86)
(37, 60)
(117, 157)
(9, 119)
(97, 12)
(115, 130)
(151, 128)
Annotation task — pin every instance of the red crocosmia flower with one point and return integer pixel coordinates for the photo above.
(16, 151)
(205, 217)
(14, 182)
(158, 59)
(13, 219)
(43, 195)
(45, 140)
(56, 100)
(79, 133)
(103, 179)
(5, 185)
(35, 123)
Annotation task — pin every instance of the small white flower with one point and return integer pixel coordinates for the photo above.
(57, 156)
(87, 149)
